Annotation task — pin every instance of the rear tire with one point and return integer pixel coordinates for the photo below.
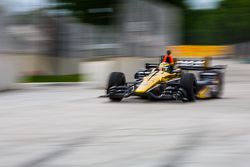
(217, 76)
(188, 83)
(218, 93)
(116, 79)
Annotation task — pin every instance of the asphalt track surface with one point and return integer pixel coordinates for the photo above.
(69, 126)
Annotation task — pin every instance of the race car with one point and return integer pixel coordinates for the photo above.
(163, 81)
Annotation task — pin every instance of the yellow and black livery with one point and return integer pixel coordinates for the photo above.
(185, 80)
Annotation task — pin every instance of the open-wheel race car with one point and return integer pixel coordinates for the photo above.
(185, 80)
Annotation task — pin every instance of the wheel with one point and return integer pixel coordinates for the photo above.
(214, 76)
(188, 83)
(220, 79)
(116, 79)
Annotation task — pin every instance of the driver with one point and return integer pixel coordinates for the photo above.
(168, 58)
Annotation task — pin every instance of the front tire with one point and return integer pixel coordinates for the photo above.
(115, 79)
(188, 83)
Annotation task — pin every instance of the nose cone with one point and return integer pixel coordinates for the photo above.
(146, 85)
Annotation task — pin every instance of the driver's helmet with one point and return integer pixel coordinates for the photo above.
(164, 66)
(168, 52)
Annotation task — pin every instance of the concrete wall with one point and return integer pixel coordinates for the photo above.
(67, 65)
(8, 72)
(28, 64)
(14, 66)
(98, 71)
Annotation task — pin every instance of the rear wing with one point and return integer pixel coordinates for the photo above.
(191, 64)
(198, 64)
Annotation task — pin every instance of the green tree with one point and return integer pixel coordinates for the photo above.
(90, 11)
(202, 27)
(99, 12)
(179, 3)
(235, 20)
(228, 24)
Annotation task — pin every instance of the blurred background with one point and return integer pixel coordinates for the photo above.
(52, 38)
(55, 53)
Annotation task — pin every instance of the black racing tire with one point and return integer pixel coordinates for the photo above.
(219, 93)
(116, 79)
(188, 83)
